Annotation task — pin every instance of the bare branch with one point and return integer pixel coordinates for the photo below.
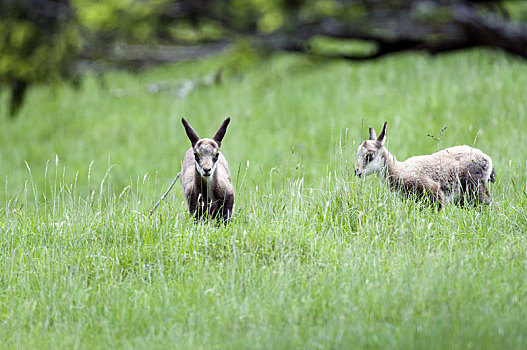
(166, 194)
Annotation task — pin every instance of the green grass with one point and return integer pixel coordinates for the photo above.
(314, 258)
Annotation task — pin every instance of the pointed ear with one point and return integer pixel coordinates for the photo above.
(373, 135)
(221, 131)
(192, 136)
(382, 137)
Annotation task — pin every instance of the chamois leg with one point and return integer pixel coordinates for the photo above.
(192, 202)
(222, 209)
(435, 195)
(227, 207)
(464, 197)
(483, 194)
(440, 199)
(202, 208)
(476, 193)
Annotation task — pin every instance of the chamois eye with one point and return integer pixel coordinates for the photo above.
(196, 156)
(216, 156)
(368, 158)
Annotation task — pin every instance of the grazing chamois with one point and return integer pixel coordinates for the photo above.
(457, 174)
(205, 176)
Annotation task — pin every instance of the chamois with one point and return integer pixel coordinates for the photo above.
(205, 176)
(458, 174)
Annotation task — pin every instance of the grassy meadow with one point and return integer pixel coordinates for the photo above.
(314, 257)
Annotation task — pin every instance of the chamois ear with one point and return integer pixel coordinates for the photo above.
(373, 135)
(382, 137)
(221, 131)
(192, 136)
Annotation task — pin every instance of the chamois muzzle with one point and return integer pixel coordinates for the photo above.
(358, 172)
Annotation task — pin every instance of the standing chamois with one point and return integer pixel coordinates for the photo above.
(457, 174)
(205, 176)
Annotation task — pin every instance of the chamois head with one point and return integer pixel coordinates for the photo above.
(369, 154)
(206, 151)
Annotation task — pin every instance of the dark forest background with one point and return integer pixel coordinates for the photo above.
(43, 40)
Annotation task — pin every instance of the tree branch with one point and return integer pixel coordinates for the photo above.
(466, 29)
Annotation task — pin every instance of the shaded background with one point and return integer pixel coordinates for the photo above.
(41, 40)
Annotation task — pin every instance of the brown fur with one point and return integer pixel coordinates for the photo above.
(457, 173)
(207, 196)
